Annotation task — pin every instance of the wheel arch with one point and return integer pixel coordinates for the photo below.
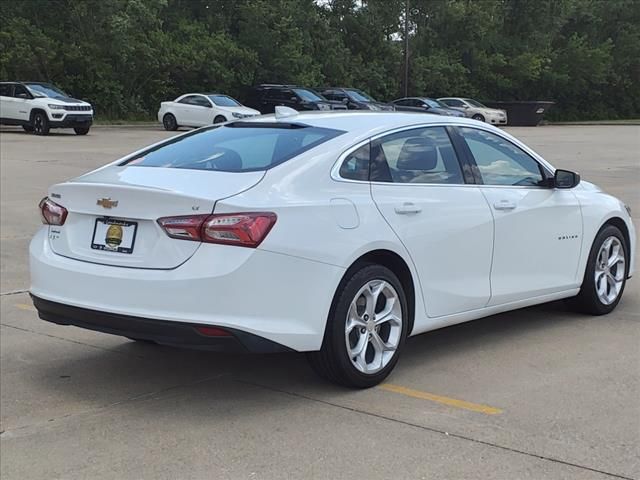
(622, 226)
(37, 110)
(397, 265)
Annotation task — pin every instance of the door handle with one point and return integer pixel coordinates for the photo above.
(407, 208)
(504, 205)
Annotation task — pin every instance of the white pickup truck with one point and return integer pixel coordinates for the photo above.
(38, 107)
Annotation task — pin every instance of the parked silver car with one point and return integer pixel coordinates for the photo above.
(476, 110)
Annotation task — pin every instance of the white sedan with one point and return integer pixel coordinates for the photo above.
(201, 109)
(338, 234)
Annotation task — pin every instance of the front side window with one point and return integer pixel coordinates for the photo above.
(499, 161)
(241, 147)
(356, 165)
(20, 91)
(422, 155)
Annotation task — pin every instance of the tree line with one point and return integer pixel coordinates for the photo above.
(126, 56)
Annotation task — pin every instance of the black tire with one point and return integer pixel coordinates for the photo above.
(588, 300)
(40, 123)
(27, 128)
(332, 362)
(169, 122)
(478, 117)
(81, 130)
(219, 119)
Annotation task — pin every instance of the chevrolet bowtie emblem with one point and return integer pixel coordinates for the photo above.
(107, 203)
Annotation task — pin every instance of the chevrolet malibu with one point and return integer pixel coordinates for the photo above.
(336, 234)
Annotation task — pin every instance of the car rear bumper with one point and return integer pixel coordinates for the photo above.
(175, 334)
(281, 298)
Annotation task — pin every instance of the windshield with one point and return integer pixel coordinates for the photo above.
(473, 103)
(359, 96)
(237, 147)
(224, 101)
(45, 90)
(308, 95)
(433, 103)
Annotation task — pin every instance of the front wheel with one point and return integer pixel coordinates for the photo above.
(81, 130)
(606, 273)
(40, 123)
(478, 117)
(27, 128)
(366, 329)
(219, 119)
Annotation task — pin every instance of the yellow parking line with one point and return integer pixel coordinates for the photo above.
(24, 306)
(451, 402)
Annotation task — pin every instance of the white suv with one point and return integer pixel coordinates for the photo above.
(38, 107)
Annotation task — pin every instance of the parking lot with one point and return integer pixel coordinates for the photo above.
(536, 393)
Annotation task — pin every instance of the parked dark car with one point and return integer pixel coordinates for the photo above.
(267, 97)
(425, 105)
(354, 99)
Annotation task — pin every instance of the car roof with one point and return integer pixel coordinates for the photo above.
(361, 122)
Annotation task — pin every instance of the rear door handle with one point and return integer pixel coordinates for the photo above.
(408, 208)
(504, 205)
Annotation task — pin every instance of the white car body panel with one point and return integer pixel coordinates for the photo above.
(463, 256)
(492, 116)
(196, 116)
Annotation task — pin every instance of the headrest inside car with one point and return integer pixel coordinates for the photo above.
(418, 153)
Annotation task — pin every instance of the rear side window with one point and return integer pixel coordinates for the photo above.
(240, 147)
(356, 165)
(421, 155)
(6, 90)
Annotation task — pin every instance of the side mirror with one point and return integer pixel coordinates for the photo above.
(293, 98)
(345, 100)
(426, 106)
(23, 95)
(565, 179)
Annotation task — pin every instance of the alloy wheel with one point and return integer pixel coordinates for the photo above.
(610, 270)
(373, 328)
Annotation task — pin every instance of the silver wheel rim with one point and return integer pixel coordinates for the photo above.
(610, 270)
(373, 327)
(37, 123)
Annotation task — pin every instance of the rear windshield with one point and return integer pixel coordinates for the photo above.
(235, 147)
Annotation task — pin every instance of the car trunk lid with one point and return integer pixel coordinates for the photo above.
(113, 212)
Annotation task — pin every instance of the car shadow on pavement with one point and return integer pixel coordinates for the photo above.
(134, 371)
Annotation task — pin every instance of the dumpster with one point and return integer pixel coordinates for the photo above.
(523, 113)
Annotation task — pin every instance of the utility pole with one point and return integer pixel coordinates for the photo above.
(406, 48)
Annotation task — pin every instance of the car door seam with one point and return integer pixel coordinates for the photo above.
(493, 246)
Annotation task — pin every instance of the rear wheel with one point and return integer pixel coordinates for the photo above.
(606, 273)
(169, 122)
(478, 117)
(366, 329)
(81, 130)
(40, 123)
(219, 119)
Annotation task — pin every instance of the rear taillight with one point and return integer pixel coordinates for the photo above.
(246, 229)
(52, 213)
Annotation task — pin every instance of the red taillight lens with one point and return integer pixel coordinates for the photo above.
(52, 213)
(242, 229)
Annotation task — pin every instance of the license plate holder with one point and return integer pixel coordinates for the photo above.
(114, 235)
